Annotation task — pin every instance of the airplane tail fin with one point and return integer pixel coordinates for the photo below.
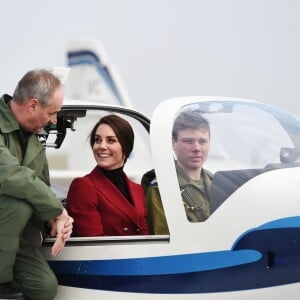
(92, 77)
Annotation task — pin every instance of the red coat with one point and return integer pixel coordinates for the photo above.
(99, 208)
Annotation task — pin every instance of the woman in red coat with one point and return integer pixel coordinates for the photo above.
(106, 201)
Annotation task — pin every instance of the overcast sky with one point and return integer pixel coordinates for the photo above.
(165, 48)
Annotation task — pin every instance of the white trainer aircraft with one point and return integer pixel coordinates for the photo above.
(249, 248)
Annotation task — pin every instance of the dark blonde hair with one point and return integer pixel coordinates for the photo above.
(189, 119)
(121, 128)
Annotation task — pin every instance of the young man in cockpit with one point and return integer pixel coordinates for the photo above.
(191, 142)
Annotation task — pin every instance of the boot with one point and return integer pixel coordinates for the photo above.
(8, 292)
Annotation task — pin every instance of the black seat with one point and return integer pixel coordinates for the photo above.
(224, 183)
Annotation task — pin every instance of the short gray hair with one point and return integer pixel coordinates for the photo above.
(39, 84)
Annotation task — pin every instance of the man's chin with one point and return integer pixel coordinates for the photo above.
(195, 166)
(196, 163)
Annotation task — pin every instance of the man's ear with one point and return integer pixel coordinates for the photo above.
(173, 144)
(33, 105)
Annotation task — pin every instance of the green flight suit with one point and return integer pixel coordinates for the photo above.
(195, 195)
(26, 201)
(156, 219)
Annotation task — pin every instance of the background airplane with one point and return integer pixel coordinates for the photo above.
(92, 76)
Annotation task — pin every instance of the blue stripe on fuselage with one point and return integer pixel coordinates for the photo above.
(263, 257)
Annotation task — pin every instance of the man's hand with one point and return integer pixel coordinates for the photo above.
(68, 228)
(62, 227)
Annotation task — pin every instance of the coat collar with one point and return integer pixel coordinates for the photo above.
(111, 193)
(9, 124)
(35, 147)
(184, 179)
(8, 121)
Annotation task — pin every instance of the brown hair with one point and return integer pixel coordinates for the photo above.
(121, 128)
(189, 119)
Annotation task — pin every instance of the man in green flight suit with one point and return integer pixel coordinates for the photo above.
(191, 143)
(26, 200)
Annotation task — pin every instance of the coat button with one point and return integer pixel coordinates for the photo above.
(138, 230)
(125, 229)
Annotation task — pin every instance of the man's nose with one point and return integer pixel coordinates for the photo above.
(53, 120)
(197, 146)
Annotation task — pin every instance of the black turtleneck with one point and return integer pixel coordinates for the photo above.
(116, 176)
